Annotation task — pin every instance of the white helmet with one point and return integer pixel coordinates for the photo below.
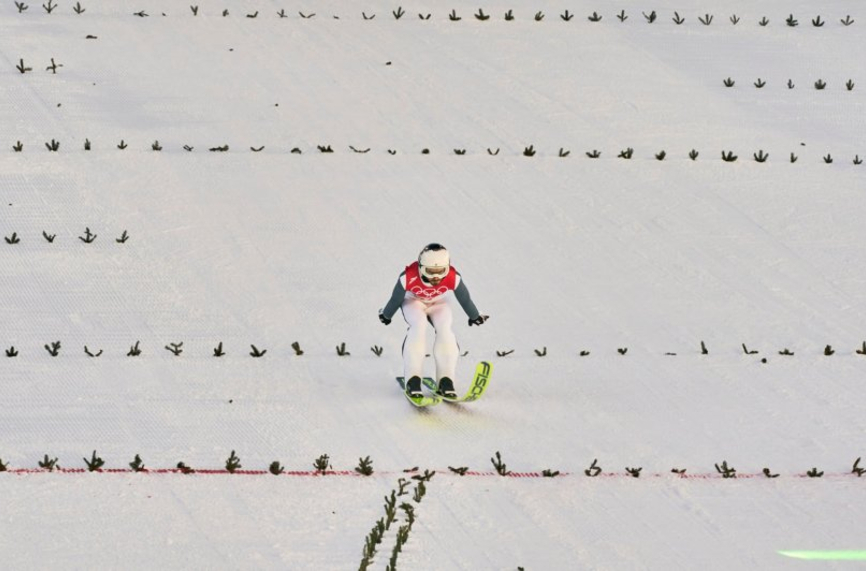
(434, 261)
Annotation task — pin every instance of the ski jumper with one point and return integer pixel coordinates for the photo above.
(424, 303)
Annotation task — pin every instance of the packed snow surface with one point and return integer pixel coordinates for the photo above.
(201, 137)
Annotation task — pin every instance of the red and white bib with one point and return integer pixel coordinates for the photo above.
(425, 291)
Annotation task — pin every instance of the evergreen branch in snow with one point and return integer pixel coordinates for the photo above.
(218, 350)
(53, 67)
(123, 238)
(175, 348)
(678, 471)
(820, 84)
(542, 353)
(95, 462)
(48, 463)
(584, 353)
(376, 350)
(53, 146)
(814, 473)
(21, 6)
(706, 20)
(622, 17)
(366, 17)
(50, 6)
(11, 352)
(861, 351)
(548, 473)
(187, 148)
(660, 156)
(499, 465)
(818, 22)
(18, 147)
(828, 351)
(593, 470)
(563, 153)
(622, 350)
(256, 352)
(454, 17)
(760, 83)
(390, 508)
(693, 154)
(392, 152)
(3, 466)
(790, 84)
(341, 350)
(233, 463)
(634, 472)
(156, 146)
(297, 347)
(365, 466)
(425, 477)
(425, 151)
(857, 160)
(729, 82)
(89, 354)
(88, 237)
(194, 10)
(322, 463)
(137, 464)
(594, 18)
(141, 14)
(122, 146)
(847, 21)
(402, 484)
(566, 16)
(221, 149)
(735, 19)
(849, 85)
(856, 469)
(725, 470)
(529, 151)
(677, 19)
(13, 239)
(481, 15)
(791, 22)
(509, 16)
(282, 14)
(649, 18)
(504, 353)
(539, 16)
(626, 154)
(492, 153)
(767, 473)
(704, 349)
(794, 158)
(786, 352)
(184, 469)
(763, 22)
(828, 159)
(459, 471)
(761, 156)
(325, 148)
(420, 492)
(253, 15)
(747, 352)
(594, 154)
(53, 349)
(134, 351)
(729, 156)
(361, 151)
(275, 468)
(460, 152)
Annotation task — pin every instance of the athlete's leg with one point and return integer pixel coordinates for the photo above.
(415, 344)
(445, 350)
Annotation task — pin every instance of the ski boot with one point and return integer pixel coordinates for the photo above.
(446, 388)
(413, 387)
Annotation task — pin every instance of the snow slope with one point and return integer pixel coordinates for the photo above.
(572, 254)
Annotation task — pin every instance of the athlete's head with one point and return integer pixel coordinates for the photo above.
(434, 263)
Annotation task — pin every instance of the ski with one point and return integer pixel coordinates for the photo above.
(479, 384)
(420, 402)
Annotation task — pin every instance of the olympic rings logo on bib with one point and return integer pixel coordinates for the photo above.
(428, 293)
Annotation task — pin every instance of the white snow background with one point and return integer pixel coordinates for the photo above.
(569, 253)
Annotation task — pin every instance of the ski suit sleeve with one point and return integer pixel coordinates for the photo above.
(461, 292)
(396, 299)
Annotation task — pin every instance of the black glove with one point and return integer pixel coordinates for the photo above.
(478, 320)
(384, 319)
